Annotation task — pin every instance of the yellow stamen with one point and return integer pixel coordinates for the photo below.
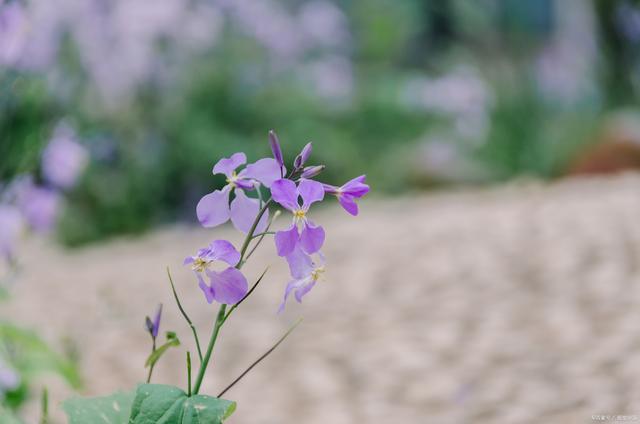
(199, 264)
(232, 179)
(317, 273)
(299, 214)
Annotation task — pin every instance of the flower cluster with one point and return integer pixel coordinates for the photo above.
(24, 203)
(300, 243)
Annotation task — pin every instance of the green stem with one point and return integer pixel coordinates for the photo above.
(186, 317)
(188, 373)
(45, 406)
(223, 308)
(153, 349)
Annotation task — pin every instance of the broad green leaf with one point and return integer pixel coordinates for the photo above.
(160, 404)
(114, 409)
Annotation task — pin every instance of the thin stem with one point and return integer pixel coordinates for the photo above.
(153, 364)
(262, 234)
(188, 373)
(45, 406)
(186, 317)
(266, 231)
(223, 307)
(245, 296)
(207, 355)
(257, 361)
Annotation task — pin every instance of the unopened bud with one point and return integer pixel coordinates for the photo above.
(312, 171)
(302, 158)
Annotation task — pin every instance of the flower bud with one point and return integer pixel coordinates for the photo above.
(312, 171)
(275, 148)
(303, 156)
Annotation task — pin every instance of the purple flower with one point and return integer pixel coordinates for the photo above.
(286, 193)
(305, 273)
(277, 151)
(38, 205)
(9, 378)
(154, 326)
(228, 286)
(10, 227)
(302, 158)
(63, 160)
(349, 192)
(214, 209)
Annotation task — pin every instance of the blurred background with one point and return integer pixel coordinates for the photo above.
(470, 290)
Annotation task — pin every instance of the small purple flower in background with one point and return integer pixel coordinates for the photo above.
(64, 159)
(349, 192)
(38, 205)
(305, 273)
(214, 209)
(154, 326)
(13, 32)
(9, 378)
(10, 227)
(228, 286)
(286, 193)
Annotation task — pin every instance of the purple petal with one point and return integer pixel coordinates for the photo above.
(188, 260)
(330, 189)
(356, 187)
(286, 240)
(304, 290)
(312, 238)
(208, 292)
(244, 211)
(267, 171)
(223, 250)
(213, 209)
(228, 286)
(226, 166)
(310, 191)
(292, 285)
(40, 207)
(245, 184)
(348, 203)
(285, 192)
(63, 160)
(300, 264)
(156, 322)
(276, 150)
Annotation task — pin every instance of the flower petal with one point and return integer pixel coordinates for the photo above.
(285, 192)
(228, 286)
(276, 150)
(244, 211)
(226, 166)
(356, 187)
(292, 285)
(310, 191)
(300, 264)
(312, 238)
(348, 202)
(304, 290)
(208, 292)
(267, 171)
(213, 209)
(286, 240)
(223, 250)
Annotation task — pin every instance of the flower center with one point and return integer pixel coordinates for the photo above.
(317, 273)
(199, 264)
(299, 214)
(232, 179)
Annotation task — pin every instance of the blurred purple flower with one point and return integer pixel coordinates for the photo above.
(63, 160)
(154, 326)
(10, 227)
(349, 192)
(38, 205)
(9, 378)
(13, 32)
(286, 193)
(305, 273)
(228, 286)
(214, 209)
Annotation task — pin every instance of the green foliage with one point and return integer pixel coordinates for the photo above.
(156, 404)
(114, 409)
(172, 341)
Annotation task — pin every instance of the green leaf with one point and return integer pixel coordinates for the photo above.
(160, 404)
(156, 354)
(114, 409)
